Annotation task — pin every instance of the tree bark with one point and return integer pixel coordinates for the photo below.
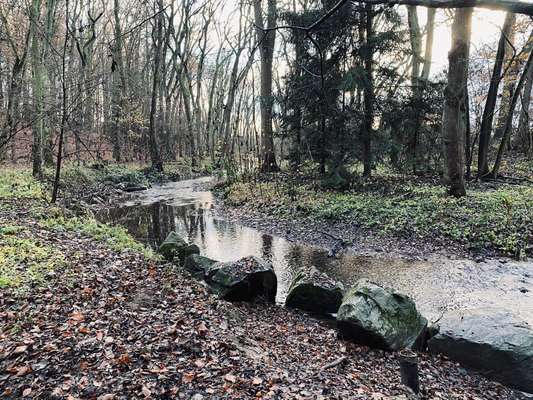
(118, 85)
(266, 40)
(155, 156)
(507, 132)
(38, 91)
(511, 68)
(524, 131)
(488, 112)
(517, 7)
(430, 31)
(64, 112)
(368, 92)
(453, 121)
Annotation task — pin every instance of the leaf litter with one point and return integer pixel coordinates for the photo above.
(111, 325)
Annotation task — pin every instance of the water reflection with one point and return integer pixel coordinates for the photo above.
(436, 286)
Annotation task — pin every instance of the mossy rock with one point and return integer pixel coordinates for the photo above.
(175, 246)
(198, 265)
(247, 279)
(380, 317)
(315, 292)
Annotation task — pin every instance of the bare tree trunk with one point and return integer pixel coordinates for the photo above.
(524, 136)
(430, 31)
(416, 49)
(507, 132)
(64, 112)
(38, 91)
(155, 156)
(512, 67)
(118, 85)
(453, 119)
(488, 112)
(267, 41)
(13, 100)
(368, 92)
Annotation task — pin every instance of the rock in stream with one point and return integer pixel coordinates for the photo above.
(380, 317)
(246, 279)
(175, 246)
(493, 341)
(315, 292)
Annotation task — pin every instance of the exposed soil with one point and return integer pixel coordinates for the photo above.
(114, 325)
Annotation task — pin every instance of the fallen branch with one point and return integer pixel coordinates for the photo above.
(338, 361)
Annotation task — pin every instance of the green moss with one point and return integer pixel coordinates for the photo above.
(25, 261)
(500, 219)
(116, 237)
(19, 184)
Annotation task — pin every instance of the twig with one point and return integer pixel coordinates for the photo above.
(338, 361)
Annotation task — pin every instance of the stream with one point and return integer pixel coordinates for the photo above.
(437, 285)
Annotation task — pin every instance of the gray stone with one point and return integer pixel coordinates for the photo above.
(495, 342)
(379, 317)
(198, 265)
(244, 280)
(175, 246)
(315, 292)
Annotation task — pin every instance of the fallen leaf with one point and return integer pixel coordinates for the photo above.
(19, 371)
(202, 329)
(124, 359)
(26, 392)
(20, 349)
(199, 363)
(257, 381)
(188, 377)
(146, 392)
(77, 316)
(84, 329)
(230, 378)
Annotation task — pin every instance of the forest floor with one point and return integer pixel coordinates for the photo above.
(390, 213)
(86, 312)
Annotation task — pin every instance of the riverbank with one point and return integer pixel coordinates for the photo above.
(390, 214)
(93, 314)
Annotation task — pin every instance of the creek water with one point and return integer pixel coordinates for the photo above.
(437, 285)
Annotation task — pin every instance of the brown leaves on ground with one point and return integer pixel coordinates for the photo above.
(113, 326)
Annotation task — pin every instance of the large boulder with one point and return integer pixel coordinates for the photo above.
(379, 317)
(314, 291)
(198, 265)
(243, 280)
(175, 246)
(493, 341)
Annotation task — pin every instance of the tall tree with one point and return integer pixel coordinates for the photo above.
(453, 119)
(157, 164)
(490, 105)
(20, 52)
(266, 37)
(38, 89)
(368, 90)
(511, 70)
(508, 125)
(524, 134)
(419, 79)
(118, 91)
